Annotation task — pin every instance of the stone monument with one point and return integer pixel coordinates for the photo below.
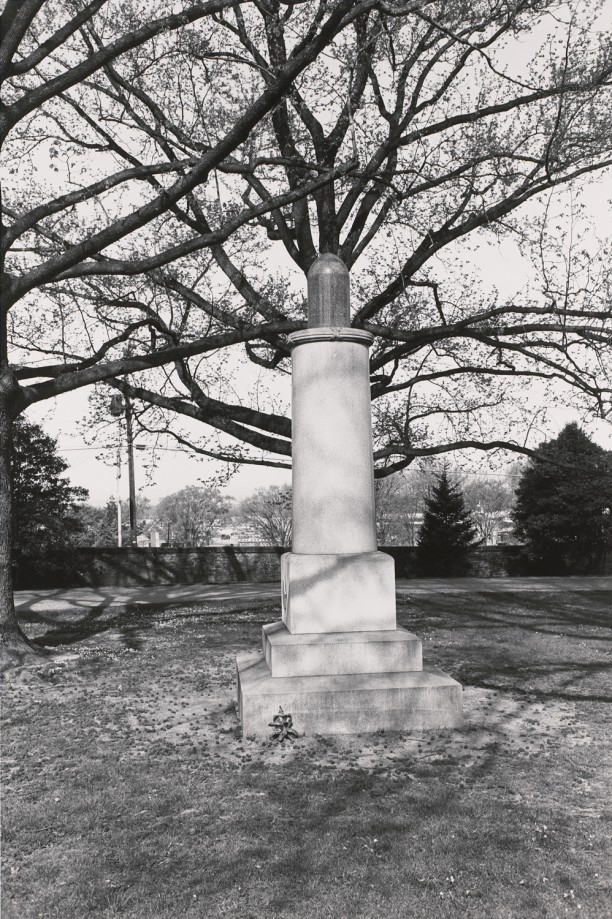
(337, 662)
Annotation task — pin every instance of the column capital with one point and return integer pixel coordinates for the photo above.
(330, 334)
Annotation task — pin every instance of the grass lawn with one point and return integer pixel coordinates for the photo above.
(128, 790)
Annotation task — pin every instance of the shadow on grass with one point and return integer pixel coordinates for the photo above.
(354, 830)
(62, 633)
(133, 622)
(502, 656)
(544, 645)
(552, 613)
(566, 679)
(341, 839)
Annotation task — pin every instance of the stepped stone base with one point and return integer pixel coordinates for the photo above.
(338, 593)
(339, 652)
(349, 703)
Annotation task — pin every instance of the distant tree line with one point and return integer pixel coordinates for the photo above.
(193, 517)
(560, 511)
(402, 500)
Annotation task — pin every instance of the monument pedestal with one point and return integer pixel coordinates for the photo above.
(337, 663)
(348, 680)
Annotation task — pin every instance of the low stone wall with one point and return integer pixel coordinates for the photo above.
(129, 567)
(483, 561)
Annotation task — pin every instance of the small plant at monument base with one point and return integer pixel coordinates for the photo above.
(283, 727)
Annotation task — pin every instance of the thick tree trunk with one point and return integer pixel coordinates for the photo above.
(14, 645)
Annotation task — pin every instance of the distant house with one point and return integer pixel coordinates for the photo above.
(503, 533)
(150, 538)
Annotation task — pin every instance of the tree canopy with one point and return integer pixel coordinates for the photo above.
(190, 515)
(564, 504)
(99, 524)
(173, 163)
(173, 175)
(268, 510)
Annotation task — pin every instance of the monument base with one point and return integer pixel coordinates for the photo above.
(348, 703)
(312, 654)
(338, 593)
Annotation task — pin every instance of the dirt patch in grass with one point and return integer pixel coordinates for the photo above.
(130, 791)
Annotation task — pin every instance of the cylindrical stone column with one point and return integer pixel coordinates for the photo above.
(333, 475)
(333, 580)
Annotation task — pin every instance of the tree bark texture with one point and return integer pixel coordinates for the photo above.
(14, 645)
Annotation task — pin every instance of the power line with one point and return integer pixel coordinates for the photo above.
(461, 472)
(114, 447)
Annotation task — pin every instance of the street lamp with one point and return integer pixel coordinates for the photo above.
(119, 407)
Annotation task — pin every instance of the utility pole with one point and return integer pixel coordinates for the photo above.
(131, 477)
(118, 498)
(119, 407)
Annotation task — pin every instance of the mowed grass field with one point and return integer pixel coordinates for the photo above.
(129, 791)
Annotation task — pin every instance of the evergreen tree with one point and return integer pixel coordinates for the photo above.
(45, 518)
(447, 532)
(564, 504)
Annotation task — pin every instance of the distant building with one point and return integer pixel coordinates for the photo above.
(237, 534)
(503, 532)
(150, 538)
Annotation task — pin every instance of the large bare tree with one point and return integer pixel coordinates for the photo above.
(172, 176)
(101, 189)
